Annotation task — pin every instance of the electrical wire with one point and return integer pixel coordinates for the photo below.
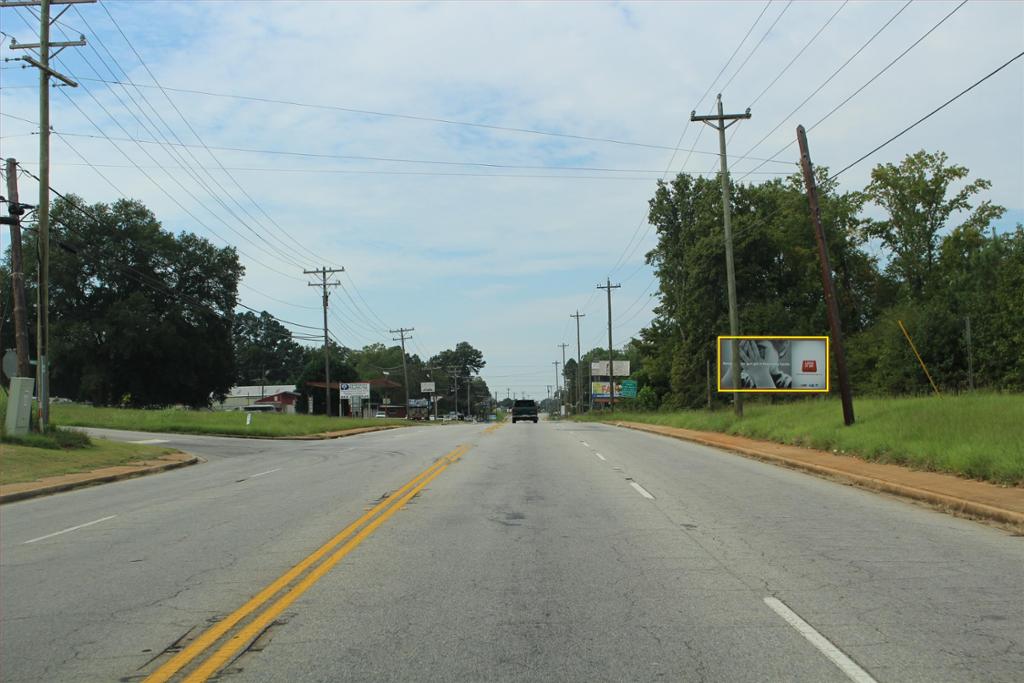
(929, 114)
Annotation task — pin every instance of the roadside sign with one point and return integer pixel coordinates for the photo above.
(775, 364)
(628, 388)
(354, 390)
(428, 387)
(600, 368)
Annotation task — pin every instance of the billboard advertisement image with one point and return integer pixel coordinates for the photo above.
(599, 368)
(775, 364)
(602, 390)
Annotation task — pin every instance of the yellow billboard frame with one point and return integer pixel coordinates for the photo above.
(730, 390)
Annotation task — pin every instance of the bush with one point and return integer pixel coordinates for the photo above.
(56, 439)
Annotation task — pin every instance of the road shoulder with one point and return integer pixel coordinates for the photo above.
(966, 497)
(10, 493)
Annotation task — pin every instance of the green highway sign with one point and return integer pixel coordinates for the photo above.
(628, 388)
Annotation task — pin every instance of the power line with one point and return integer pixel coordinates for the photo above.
(196, 134)
(930, 114)
(832, 76)
(865, 85)
(412, 117)
(630, 248)
(401, 160)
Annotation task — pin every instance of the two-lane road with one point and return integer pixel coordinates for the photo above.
(556, 551)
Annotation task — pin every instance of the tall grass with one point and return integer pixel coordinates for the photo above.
(975, 435)
(208, 422)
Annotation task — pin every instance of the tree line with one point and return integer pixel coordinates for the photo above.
(916, 245)
(140, 316)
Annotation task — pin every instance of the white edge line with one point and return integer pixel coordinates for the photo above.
(70, 528)
(601, 456)
(641, 490)
(253, 476)
(585, 444)
(824, 645)
(149, 441)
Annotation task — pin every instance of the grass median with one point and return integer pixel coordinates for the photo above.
(231, 423)
(980, 436)
(20, 462)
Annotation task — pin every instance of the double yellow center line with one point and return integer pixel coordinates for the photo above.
(293, 583)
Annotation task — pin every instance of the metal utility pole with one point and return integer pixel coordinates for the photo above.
(579, 363)
(826, 279)
(730, 271)
(563, 345)
(15, 210)
(324, 284)
(405, 372)
(43, 210)
(611, 364)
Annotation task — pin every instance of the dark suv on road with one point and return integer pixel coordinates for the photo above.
(524, 409)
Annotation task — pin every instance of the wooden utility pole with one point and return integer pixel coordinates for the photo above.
(579, 363)
(563, 345)
(730, 269)
(970, 356)
(405, 371)
(555, 363)
(611, 364)
(324, 284)
(826, 279)
(15, 210)
(43, 209)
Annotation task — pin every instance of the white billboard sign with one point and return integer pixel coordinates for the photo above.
(354, 390)
(775, 364)
(600, 368)
(428, 387)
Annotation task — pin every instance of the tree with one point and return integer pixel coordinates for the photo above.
(138, 316)
(264, 350)
(915, 195)
(313, 371)
(451, 367)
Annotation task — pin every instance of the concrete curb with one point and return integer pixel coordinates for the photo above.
(323, 436)
(953, 504)
(46, 490)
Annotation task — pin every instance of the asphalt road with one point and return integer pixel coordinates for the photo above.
(556, 551)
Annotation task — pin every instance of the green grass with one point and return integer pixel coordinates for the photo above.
(980, 436)
(20, 463)
(208, 422)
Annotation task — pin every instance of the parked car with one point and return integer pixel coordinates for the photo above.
(380, 414)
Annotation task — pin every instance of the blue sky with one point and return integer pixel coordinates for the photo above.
(467, 252)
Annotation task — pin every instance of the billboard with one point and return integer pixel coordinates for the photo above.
(428, 387)
(775, 364)
(600, 368)
(602, 389)
(354, 390)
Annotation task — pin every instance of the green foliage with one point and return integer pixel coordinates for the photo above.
(933, 276)
(264, 350)
(29, 463)
(977, 435)
(125, 310)
(55, 439)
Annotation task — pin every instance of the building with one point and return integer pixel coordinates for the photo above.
(239, 397)
(283, 402)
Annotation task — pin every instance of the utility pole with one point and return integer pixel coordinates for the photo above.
(324, 284)
(405, 372)
(15, 210)
(611, 364)
(970, 353)
(579, 362)
(43, 209)
(826, 279)
(469, 395)
(730, 270)
(555, 363)
(563, 345)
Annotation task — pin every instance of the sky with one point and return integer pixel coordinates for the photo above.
(479, 232)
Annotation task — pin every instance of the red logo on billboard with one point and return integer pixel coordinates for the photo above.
(810, 366)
